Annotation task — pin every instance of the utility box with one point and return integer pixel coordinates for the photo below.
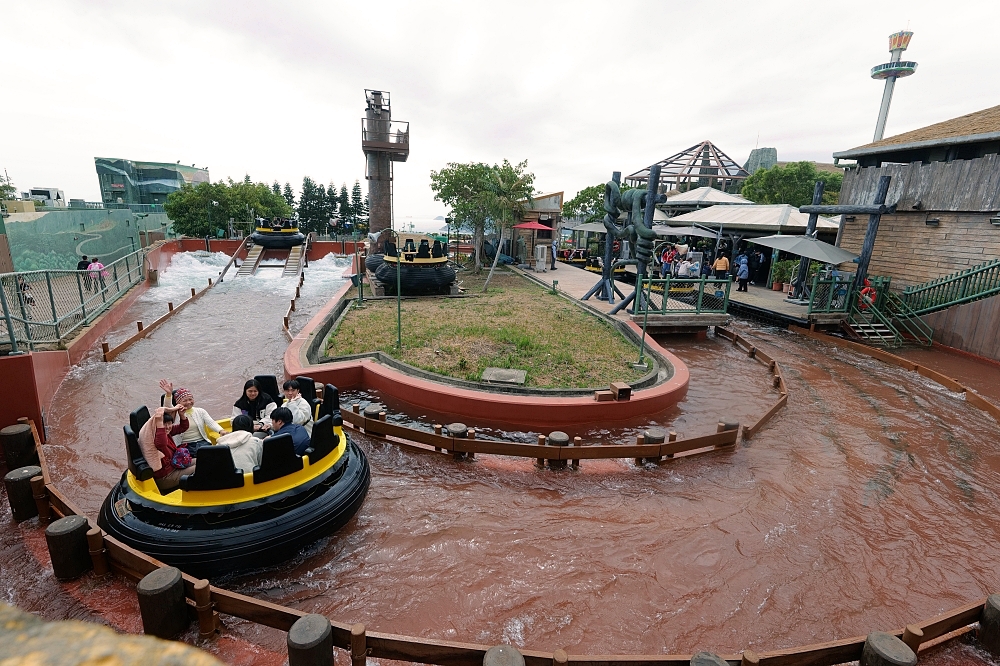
(621, 391)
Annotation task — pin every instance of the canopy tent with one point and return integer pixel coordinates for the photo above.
(807, 246)
(756, 217)
(705, 196)
(664, 230)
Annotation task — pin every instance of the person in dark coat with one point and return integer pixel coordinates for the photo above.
(82, 266)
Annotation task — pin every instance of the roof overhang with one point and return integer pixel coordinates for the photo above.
(865, 151)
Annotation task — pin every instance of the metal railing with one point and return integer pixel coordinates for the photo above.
(386, 131)
(908, 320)
(954, 289)
(830, 294)
(48, 307)
(683, 295)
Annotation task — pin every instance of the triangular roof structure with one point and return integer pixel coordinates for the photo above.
(701, 164)
(705, 196)
(768, 218)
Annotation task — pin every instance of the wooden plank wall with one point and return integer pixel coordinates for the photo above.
(961, 185)
(972, 328)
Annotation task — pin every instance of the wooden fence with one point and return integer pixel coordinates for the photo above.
(778, 379)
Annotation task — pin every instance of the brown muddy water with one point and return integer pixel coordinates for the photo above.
(868, 503)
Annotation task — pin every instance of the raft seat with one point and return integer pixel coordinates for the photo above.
(390, 249)
(136, 461)
(331, 405)
(277, 460)
(324, 440)
(215, 471)
(269, 385)
(436, 251)
(308, 389)
(424, 250)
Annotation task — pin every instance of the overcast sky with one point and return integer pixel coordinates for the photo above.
(579, 89)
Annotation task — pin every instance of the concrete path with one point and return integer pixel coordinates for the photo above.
(576, 282)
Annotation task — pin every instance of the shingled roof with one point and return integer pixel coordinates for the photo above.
(973, 127)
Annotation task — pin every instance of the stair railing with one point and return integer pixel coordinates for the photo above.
(909, 320)
(965, 286)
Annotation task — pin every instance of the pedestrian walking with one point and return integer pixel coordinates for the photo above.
(555, 247)
(97, 273)
(721, 267)
(743, 275)
(82, 266)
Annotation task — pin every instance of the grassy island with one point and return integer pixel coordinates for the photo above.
(516, 324)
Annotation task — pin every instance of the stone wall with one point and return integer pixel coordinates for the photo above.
(911, 252)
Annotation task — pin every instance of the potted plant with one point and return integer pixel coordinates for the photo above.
(780, 274)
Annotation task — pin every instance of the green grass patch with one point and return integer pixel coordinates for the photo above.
(517, 325)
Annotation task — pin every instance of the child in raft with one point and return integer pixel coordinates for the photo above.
(299, 406)
(201, 422)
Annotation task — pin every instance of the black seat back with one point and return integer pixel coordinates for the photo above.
(308, 389)
(215, 470)
(436, 250)
(331, 404)
(138, 418)
(136, 461)
(277, 459)
(324, 439)
(424, 250)
(390, 249)
(408, 246)
(269, 385)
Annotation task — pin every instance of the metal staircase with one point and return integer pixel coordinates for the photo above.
(885, 320)
(966, 286)
(293, 262)
(250, 264)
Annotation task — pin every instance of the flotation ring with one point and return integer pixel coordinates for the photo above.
(867, 296)
(616, 246)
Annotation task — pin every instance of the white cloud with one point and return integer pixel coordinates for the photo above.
(578, 88)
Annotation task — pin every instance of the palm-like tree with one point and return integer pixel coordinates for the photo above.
(508, 196)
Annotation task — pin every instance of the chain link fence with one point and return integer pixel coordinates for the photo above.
(45, 308)
(687, 295)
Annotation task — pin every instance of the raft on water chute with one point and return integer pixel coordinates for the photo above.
(422, 264)
(277, 235)
(224, 520)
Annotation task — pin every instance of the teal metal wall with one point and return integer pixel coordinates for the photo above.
(57, 239)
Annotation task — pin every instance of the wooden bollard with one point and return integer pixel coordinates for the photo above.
(68, 549)
(381, 416)
(883, 649)
(310, 641)
(105, 349)
(17, 483)
(458, 431)
(41, 497)
(18, 445)
(359, 645)
(138, 325)
(203, 606)
(438, 428)
(170, 307)
(356, 408)
(503, 655)
(297, 293)
(989, 625)
(654, 436)
(671, 437)
(752, 352)
(292, 307)
(161, 603)
(707, 659)
(749, 658)
(558, 438)
(776, 381)
(560, 658)
(912, 636)
(725, 426)
(209, 282)
(639, 441)
(98, 555)
(540, 462)
(575, 463)
(193, 292)
(471, 455)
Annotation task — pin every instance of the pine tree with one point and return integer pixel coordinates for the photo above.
(322, 210)
(289, 195)
(246, 180)
(344, 206)
(276, 188)
(333, 205)
(358, 207)
(308, 213)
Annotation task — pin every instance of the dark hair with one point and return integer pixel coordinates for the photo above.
(243, 422)
(251, 382)
(282, 414)
(292, 384)
(83, 257)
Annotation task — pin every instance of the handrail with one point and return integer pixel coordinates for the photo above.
(965, 286)
(693, 290)
(858, 317)
(232, 259)
(910, 320)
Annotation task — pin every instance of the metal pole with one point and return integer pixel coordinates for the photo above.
(399, 297)
(79, 286)
(6, 316)
(645, 316)
(810, 228)
(52, 302)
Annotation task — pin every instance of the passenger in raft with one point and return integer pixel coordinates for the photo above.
(246, 448)
(256, 404)
(175, 461)
(197, 435)
(299, 406)
(281, 421)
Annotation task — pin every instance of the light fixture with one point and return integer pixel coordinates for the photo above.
(932, 221)
(849, 218)
(995, 220)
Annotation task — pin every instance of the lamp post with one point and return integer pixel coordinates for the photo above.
(399, 295)
(447, 247)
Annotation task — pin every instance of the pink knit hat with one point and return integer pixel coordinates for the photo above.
(180, 394)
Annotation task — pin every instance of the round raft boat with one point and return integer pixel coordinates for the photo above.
(281, 235)
(422, 264)
(222, 520)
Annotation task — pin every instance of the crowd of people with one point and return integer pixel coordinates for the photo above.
(681, 261)
(170, 440)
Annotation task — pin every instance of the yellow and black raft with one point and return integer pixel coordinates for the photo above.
(421, 262)
(224, 520)
(281, 235)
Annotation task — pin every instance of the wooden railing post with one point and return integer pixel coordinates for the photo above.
(98, 556)
(203, 605)
(359, 647)
(41, 496)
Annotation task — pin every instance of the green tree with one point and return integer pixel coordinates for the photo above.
(333, 209)
(587, 204)
(344, 206)
(464, 189)
(312, 206)
(359, 211)
(508, 195)
(7, 189)
(289, 195)
(203, 209)
(791, 184)
(276, 188)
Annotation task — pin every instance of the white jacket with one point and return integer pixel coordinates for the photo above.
(198, 420)
(246, 449)
(265, 416)
(301, 413)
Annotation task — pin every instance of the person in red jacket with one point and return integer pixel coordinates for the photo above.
(176, 461)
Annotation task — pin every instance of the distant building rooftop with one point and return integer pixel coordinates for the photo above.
(768, 218)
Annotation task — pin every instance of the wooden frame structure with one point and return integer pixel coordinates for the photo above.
(700, 165)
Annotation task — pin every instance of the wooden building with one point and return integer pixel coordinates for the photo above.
(545, 209)
(946, 187)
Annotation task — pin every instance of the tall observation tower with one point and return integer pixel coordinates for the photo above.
(383, 141)
(891, 71)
